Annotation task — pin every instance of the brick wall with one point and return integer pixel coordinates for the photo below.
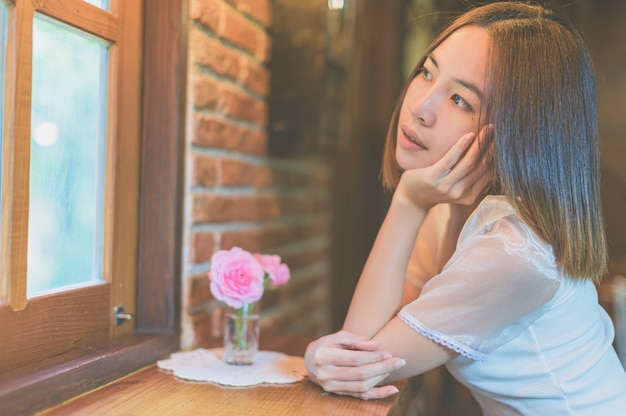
(238, 194)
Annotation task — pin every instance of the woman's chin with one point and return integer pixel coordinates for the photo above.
(408, 163)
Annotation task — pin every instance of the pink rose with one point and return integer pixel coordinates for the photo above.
(236, 277)
(278, 272)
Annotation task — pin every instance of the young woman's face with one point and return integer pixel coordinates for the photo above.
(443, 102)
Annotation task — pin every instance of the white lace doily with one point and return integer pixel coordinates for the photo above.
(207, 365)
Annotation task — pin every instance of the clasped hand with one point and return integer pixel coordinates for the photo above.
(349, 364)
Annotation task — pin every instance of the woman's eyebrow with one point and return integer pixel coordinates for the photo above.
(463, 83)
(470, 87)
(433, 60)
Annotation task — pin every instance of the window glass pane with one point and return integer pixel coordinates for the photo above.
(103, 4)
(65, 224)
(3, 48)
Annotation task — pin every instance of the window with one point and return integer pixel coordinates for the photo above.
(60, 133)
(78, 238)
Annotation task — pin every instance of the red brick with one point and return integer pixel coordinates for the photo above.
(263, 48)
(255, 77)
(205, 170)
(207, 93)
(258, 208)
(213, 132)
(220, 208)
(240, 105)
(201, 247)
(209, 13)
(241, 31)
(259, 10)
(230, 24)
(237, 173)
(264, 176)
(212, 54)
(247, 239)
(214, 208)
(258, 138)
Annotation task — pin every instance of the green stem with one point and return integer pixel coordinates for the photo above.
(243, 332)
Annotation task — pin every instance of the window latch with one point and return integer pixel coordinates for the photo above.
(120, 315)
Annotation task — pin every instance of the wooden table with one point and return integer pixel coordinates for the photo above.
(153, 391)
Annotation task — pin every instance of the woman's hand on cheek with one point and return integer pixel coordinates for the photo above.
(458, 177)
(349, 364)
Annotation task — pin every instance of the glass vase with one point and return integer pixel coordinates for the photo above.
(241, 334)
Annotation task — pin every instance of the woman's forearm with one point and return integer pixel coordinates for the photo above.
(378, 294)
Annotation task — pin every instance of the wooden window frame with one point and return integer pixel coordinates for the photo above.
(47, 326)
(51, 382)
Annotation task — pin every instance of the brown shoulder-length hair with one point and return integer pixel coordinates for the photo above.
(544, 147)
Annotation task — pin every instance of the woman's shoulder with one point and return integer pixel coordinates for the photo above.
(494, 213)
(490, 210)
(495, 223)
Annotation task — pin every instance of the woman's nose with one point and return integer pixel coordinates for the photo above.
(423, 110)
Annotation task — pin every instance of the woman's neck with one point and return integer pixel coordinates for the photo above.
(458, 216)
(460, 213)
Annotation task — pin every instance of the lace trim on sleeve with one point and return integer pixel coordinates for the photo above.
(440, 338)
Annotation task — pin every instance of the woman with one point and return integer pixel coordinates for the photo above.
(493, 157)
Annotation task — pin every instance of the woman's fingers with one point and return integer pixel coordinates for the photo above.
(463, 158)
(351, 341)
(366, 394)
(361, 381)
(462, 175)
(342, 366)
(348, 364)
(348, 358)
(451, 159)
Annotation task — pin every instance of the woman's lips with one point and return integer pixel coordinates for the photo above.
(410, 140)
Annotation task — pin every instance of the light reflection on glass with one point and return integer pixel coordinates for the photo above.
(335, 4)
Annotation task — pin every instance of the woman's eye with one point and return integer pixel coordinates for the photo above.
(460, 102)
(426, 74)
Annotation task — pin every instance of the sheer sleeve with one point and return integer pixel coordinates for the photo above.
(499, 280)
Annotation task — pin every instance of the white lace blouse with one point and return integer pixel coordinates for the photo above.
(530, 340)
